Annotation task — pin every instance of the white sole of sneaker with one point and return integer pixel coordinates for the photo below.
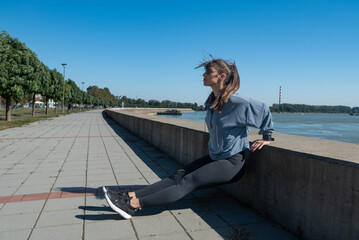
(116, 209)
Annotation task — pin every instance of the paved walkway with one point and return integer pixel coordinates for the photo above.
(51, 173)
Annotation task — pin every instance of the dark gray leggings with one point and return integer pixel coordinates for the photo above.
(201, 173)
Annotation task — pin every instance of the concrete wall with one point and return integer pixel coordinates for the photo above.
(310, 186)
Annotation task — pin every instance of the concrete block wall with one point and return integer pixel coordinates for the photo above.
(309, 186)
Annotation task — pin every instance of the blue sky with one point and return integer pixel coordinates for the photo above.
(148, 49)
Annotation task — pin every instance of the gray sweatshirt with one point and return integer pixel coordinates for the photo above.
(228, 130)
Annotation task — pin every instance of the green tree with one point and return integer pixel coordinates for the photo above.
(14, 64)
(52, 87)
(153, 103)
(57, 84)
(33, 81)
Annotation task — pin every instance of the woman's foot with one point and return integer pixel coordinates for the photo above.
(121, 193)
(119, 203)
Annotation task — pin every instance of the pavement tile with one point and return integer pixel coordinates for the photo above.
(17, 221)
(171, 236)
(157, 174)
(130, 175)
(109, 230)
(194, 222)
(267, 231)
(153, 211)
(4, 199)
(15, 235)
(96, 201)
(34, 197)
(94, 178)
(241, 216)
(15, 198)
(54, 195)
(187, 206)
(72, 195)
(153, 180)
(39, 181)
(23, 190)
(70, 179)
(213, 234)
(61, 204)
(222, 203)
(57, 218)
(73, 231)
(98, 184)
(148, 226)
(7, 191)
(58, 186)
(10, 182)
(22, 207)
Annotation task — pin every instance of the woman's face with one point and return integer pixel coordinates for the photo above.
(211, 77)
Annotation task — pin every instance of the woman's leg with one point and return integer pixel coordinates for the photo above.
(172, 180)
(211, 174)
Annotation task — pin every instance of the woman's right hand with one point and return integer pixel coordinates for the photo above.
(258, 144)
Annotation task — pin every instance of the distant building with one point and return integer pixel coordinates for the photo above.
(40, 104)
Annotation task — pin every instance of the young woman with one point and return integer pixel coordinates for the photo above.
(228, 117)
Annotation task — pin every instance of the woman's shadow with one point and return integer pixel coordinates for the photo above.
(104, 212)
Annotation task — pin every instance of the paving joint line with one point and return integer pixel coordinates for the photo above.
(131, 221)
(26, 154)
(14, 142)
(42, 209)
(120, 130)
(108, 157)
(30, 172)
(85, 201)
(33, 138)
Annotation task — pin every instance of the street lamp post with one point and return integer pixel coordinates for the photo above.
(82, 93)
(63, 90)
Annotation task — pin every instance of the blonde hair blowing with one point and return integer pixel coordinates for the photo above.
(231, 83)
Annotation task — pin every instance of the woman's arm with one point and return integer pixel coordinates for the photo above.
(259, 116)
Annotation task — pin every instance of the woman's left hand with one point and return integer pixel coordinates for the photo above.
(258, 144)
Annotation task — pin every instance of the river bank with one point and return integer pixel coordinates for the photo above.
(338, 127)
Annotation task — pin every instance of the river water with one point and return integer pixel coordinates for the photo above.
(338, 127)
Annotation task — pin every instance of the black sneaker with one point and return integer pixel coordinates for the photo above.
(119, 204)
(121, 193)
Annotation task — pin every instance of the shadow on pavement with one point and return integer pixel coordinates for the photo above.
(206, 203)
(98, 192)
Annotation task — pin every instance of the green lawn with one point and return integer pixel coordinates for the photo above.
(22, 116)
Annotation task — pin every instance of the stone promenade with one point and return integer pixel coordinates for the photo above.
(52, 172)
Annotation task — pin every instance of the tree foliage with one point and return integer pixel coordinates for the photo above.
(22, 75)
(129, 102)
(14, 67)
(302, 108)
(104, 94)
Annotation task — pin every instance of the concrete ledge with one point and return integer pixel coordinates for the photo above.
(310, 186)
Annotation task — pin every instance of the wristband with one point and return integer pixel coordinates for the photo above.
(268, 138)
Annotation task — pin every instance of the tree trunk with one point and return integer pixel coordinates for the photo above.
(7, 108)
(33, 106)
(47, 105)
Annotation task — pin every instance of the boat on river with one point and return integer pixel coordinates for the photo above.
(170, 112)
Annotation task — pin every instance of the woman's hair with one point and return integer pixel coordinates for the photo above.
(231, 83)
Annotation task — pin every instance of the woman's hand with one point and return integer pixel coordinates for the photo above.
(258, 144)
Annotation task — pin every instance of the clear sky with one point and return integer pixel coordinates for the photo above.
(148, 49)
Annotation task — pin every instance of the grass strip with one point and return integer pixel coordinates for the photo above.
(22, 120)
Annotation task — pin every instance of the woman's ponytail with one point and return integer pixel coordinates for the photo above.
(231, 83)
